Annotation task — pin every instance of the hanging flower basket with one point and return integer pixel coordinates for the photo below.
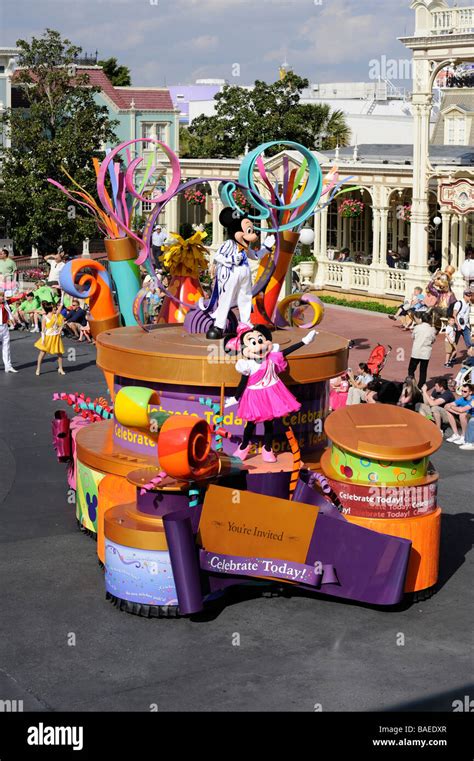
(404, 212)
(195, 197)
(351, 208)
(241, 200)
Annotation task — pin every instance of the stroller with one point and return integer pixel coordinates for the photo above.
(378, 359)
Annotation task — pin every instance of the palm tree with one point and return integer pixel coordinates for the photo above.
(336, 131)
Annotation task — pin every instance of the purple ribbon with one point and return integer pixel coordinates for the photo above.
(237, 565)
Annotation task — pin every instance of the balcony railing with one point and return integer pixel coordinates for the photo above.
(453, 21)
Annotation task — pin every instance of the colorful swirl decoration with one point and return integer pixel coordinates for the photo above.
(88, 279)
(304, 191)
(291, 311)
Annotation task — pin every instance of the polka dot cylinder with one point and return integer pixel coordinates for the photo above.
(362, 470)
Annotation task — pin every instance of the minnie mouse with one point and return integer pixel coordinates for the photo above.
(233, 284)
(261, 395)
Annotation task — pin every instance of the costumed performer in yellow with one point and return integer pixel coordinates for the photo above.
(51, 341)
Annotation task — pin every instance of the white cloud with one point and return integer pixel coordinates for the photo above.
(176, 38)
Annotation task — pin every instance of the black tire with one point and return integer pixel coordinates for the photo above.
(422, 594)
(86, 531)
(144, 611)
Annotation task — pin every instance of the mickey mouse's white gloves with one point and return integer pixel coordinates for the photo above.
(310, 337)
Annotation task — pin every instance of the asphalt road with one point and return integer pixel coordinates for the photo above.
(294, 653)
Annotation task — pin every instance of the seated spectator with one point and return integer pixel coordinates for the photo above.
(339, 392)
(459, 411)
(23, 315)
(434, 403)
(358, 390)
(45, 293)
(469, 435)
(412, 303)
(76, 318)
(345, 255)
(85, 333)
(410, 395)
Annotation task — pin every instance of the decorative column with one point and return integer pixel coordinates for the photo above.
(377, 270)
(324, 232)
(217, 229)
(446, 220)
(366, 228)
(339, 229)
(171, 210)
(394, 228)
(376, 235)
(85, 247)
(458, 283)
(422, 103)
(383, 235)
(454, 240)
(321, 242)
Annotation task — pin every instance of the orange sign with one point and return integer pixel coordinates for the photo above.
(235, 522)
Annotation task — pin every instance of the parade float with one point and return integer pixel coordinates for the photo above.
(208, 465)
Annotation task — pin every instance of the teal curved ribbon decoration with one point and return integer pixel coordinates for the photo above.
(305, 204)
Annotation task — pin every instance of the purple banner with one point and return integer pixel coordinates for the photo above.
(307, 424)
(315, 575)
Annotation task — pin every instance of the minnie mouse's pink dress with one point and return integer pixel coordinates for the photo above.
(266, 396)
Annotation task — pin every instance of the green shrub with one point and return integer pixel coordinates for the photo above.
(368, 306)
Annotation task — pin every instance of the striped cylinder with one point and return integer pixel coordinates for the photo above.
(131, 406)
(184, 445)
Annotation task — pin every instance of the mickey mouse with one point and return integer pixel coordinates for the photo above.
(233, 284)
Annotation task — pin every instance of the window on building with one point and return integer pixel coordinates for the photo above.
(156, 130)
(455, 130)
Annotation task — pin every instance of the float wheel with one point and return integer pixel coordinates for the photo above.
(145, 611)
(422, 594)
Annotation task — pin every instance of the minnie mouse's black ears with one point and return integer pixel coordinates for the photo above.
(230, 218)
(232, 348)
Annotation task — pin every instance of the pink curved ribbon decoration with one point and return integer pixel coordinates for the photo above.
(158, 201)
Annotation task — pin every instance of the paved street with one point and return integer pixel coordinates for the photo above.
(294, 652)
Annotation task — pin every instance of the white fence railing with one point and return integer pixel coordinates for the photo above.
(453, 21)
(395, 281)
(348, 276)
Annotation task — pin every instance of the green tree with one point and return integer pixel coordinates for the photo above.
(60, 124)
(119, 75)
(244, 119)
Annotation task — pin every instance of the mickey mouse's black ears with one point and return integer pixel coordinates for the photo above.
(230, 217)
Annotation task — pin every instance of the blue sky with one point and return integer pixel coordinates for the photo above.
(178, 41)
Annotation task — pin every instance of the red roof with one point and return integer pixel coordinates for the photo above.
(144, 99)
(154, 98)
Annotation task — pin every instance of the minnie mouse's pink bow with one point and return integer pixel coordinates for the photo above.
(234, 343)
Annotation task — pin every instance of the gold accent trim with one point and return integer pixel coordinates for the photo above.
(171, 355)
(124, 525)
(100, 326)
(96, 448)
(120, 249)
